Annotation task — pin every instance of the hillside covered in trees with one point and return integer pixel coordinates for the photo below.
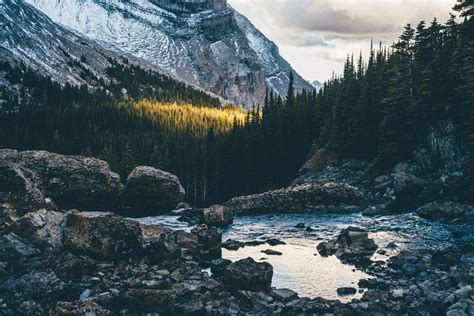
(379, 109)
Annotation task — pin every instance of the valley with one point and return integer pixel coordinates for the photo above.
(162, 157)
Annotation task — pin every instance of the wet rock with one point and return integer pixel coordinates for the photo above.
(102, 235)
(246, 274)
(271, 252)
(80, 308)
(283, 295)
(152, 191)
(218, 215)
(353, 246)
(183, 206)
(231, 244)
(43, 229)
(342, 291)
(301, 198)
(300, 225)
(446, 210)
(254, 243)
(275, 242)
(74, 181)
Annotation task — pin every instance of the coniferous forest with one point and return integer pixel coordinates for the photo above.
(379, 109)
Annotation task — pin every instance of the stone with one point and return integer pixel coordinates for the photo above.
(209, 241)
(13, 247)
(187, 240)
(74, 181)
(218, 215)
(300, 225)
(102, 235)
(43, 229)
(21, 187)
(312, 197)
(271, 252)
(343, 291)
(397, 293)
(150, 190)
(231, 244)
(283, 295)
(275, 242)
(246, 274)
(446, 210)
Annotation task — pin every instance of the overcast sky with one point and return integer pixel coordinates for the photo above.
(315, 36)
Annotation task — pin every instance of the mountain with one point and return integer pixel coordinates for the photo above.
(317, 84)
(30, 37)
(205, 43)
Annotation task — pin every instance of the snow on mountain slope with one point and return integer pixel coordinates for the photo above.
(31, 37)
(205, 43)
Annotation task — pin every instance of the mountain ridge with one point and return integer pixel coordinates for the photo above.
(217, 50)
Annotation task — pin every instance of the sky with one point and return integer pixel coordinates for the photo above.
(315, 36)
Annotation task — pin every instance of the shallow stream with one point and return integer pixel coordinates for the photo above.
(300, 267)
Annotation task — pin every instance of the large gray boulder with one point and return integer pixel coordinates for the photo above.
(102, 235)
(313, 197)
(74, 181)
(152, 191)
(42, 229)
(446, 210)
(20, 186)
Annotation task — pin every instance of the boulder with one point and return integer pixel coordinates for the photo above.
(218, 215)
(246, 274)
(21, 187)
(13, 248)
(313, 197)
(152, 191)
(73, 181)
(446, 210)
(102, 235)
(272, 252)
(42, 229)
(407, 188)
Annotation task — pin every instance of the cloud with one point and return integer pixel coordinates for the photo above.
(330, 29)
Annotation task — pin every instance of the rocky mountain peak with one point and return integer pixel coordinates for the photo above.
(191, 6)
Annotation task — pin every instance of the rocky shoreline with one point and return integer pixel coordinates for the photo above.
(59, 261)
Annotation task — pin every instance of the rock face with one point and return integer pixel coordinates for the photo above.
(301, 198)
(152, 190)
(353, 246)
(204, 43)
(246, 274)
(218, 215)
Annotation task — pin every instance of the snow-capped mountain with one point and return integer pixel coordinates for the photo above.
(29, 36)
(203, 42)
